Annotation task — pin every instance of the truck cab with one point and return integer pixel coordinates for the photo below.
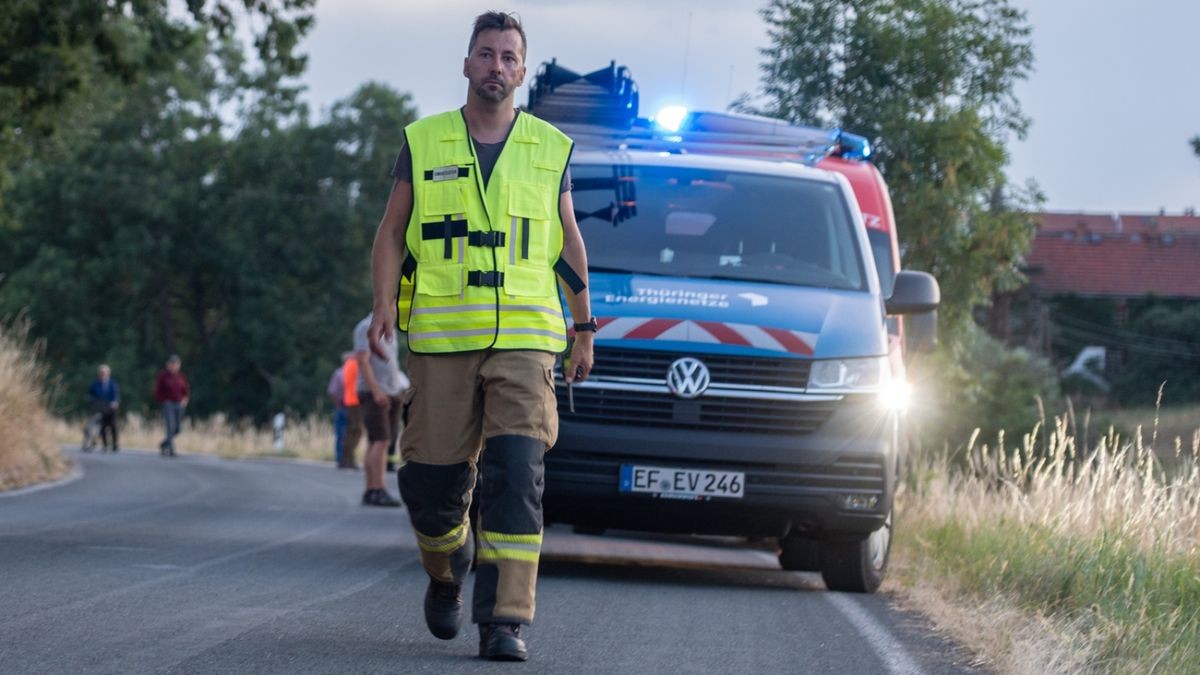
(749, 362)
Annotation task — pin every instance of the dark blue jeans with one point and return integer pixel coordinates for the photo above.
(339, 433)
(172, 418)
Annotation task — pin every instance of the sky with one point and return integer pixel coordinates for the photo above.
(1114, 97)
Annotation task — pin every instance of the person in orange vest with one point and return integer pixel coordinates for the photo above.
(336, 389)
(350, 402)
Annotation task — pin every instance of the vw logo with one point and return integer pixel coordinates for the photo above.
(687, 377)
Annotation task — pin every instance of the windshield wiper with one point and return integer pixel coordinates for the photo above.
(755, 280)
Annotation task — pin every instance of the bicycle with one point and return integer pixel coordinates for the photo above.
(91, 432)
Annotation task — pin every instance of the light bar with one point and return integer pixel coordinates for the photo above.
(853, 146)
(671, 118)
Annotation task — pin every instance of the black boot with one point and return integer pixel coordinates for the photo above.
(443, 609)
(502, 642)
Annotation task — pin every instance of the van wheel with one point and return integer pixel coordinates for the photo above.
(799, 554)
(857, 566)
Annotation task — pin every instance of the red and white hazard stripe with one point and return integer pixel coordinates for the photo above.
(706, 332)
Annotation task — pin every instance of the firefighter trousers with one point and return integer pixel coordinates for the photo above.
(489, 416)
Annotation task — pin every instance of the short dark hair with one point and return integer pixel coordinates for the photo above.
(498, 21)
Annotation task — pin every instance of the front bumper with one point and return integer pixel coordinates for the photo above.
(794, 483)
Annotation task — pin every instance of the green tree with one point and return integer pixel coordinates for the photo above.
(59, 53)
(299, 206)
(92, 263)
(931, 83)
(1162, 347)
(249, 256)
(165, 229)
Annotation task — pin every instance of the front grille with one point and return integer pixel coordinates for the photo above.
(708, 413)
(752, 370)
(849, 472)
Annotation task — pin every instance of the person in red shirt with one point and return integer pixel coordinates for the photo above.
(171, 391)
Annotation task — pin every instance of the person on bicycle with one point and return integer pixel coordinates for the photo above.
(105, 397)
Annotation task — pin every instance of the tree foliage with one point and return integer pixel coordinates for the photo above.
(58, 53)
(931, 83)
(1163, 348)
(165, 228)
(1007, 390)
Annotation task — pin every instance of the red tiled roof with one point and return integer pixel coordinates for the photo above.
(1166, 263)
(1124, 223)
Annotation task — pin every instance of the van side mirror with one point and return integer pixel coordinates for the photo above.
(913, 293)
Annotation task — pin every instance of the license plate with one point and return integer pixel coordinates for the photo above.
(697, 484)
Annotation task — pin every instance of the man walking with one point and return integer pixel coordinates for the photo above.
(106, 398)
(380, 385)
(171, 391)
(478, 227)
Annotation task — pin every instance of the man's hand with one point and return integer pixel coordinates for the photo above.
(382, 328)
(381, 400)
(581, 357)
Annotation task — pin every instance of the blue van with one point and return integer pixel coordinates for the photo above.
(748, 378)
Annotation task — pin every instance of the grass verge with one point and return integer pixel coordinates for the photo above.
(1051, 559)
(28, 453)
(309, 438)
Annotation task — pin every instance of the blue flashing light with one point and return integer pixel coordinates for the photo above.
(854, 146)
(670, 118)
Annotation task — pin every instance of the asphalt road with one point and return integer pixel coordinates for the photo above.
(201, 565)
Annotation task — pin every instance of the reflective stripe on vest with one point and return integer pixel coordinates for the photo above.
(484, 259)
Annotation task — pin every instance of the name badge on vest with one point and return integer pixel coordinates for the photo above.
(445, 173)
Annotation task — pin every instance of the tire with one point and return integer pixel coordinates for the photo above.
(857, 566)
(799, 554)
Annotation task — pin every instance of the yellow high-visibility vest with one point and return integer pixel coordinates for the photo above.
(484, 259)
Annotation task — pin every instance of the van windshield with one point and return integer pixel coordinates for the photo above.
(716, 224)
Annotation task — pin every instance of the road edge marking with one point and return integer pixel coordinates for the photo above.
(889, 650)
(73, 475)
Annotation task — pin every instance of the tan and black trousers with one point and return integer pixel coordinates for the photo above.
(489, 416)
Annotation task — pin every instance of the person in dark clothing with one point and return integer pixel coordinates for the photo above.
(171, 391)
(105, 396)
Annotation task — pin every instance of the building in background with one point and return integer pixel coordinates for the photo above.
(1090, 278)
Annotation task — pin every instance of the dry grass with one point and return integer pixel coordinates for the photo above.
(1003, 637)
(1089, 561)
(1161, 427)
(309, 438)
(28, 453)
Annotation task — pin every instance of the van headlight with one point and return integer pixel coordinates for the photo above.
(860, 376)
(846, 375)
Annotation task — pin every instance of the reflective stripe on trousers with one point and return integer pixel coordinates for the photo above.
(500, 546)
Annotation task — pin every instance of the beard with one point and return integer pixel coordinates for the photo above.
(494, 94)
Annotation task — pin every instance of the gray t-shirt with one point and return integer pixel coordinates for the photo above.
(387, 373)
